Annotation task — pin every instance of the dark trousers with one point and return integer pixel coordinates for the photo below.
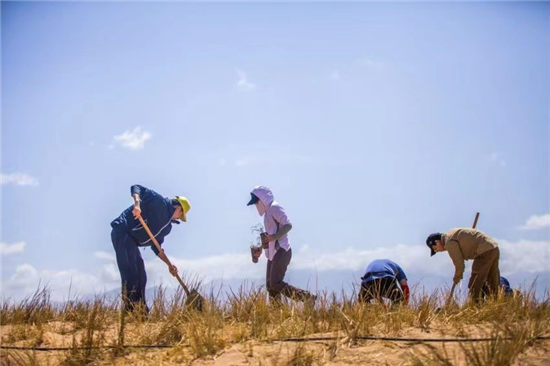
(274, 278)
(485, 271)
(131, 268)
(385, 287)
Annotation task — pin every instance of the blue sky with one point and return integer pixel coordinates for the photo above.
(374, 124)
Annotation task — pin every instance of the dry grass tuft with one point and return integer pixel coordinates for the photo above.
(301, 357)
(246, 316)
(34, 310)
(18, 358)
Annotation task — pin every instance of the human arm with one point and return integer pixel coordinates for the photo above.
(406, 290)
(173, 269)
(137, 205)
(283, 230)
(142, 196)
(135, 191)
(455, 253)
(157, 248)
(402, 278)
(284, 224)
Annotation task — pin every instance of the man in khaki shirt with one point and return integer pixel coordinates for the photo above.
(463, 244)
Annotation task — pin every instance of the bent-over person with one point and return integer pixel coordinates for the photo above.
(464, 244)
(384, 278)
(159, 213)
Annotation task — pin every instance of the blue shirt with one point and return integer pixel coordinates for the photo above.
(505, 286)
(381, 268)
(156, 211)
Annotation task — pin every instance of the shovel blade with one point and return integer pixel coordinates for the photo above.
(194, 300)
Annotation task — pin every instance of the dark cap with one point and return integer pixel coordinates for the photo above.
(253, 199)
(430, 241)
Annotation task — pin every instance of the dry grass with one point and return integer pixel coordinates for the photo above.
(34, 310)
(246, 318)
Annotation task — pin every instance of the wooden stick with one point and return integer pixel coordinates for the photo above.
(475, 220)
(154, 240)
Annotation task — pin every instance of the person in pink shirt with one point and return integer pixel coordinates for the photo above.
(276, 245)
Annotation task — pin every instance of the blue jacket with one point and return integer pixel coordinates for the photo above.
(156, 211)
(381, 268)
(506, 286)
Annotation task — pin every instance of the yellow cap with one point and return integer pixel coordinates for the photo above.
(185, 205)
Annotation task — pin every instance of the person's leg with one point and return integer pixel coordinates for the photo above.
(278, 270)
(133, 275)
(279, 265)
(119, 244)
(142, 277)
(493, 277)
(485, 291)
(272, 294)
(267, 274)
(480, 271)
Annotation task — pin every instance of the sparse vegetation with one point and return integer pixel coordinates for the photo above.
(247, 324)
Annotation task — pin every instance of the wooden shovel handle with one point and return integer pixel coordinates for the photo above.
(475, 220)
(154, 240)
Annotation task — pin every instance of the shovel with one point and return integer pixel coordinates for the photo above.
(194, 299)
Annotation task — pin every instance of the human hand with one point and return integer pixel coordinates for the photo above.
(265, 240)
(136, 211)
(173, 270)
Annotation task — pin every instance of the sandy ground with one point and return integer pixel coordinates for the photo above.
(254, 353)
(331, 354)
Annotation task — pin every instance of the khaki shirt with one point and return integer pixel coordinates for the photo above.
(463, 244)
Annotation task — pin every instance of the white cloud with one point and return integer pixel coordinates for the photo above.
(497, 158)
(20, 179)
(516, 257)
(110, 275)
(104, 255)
(357, 259)
(519, 257)
(26, 279)
(108, 272)
(7, 249)
(536, 222)
(23, 274)
(524, 256)
(227, 266)
(133, 139)
(243, 84)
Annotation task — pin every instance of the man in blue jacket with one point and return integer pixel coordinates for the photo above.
(384, 279)
(127, 235)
